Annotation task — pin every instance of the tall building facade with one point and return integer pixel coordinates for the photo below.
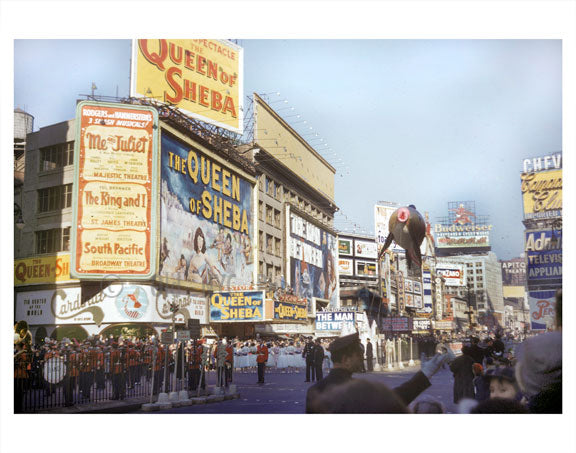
(297, 251)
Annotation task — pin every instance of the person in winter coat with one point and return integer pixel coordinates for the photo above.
(481, 384)
(475, 351)
(463, 376)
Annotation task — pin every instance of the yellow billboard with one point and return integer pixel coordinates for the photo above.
(42, 269)
(201, 77)
(542, 194)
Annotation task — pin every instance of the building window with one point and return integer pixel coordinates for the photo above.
(55, 198)
(269, 187)
(269, 215)
(276, 218)
(261, 241)
(261, 210)
(56, 156)
(269, 248)
(278, 191)
(51, 241)
(277, 247)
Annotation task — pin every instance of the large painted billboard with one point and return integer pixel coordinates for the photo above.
(206, 212)
(113, 231)
(542, 194)
(201, 77)
(542, 309)
(313, 261)
(544, 258)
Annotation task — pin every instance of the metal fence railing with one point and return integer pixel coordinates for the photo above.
(70, 378)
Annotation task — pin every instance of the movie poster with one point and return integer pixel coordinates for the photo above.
(206, 228)
(313, 265)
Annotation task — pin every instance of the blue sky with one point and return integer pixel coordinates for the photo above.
(420, 122)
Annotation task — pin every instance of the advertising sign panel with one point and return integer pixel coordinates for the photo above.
(201, 77)
(408, 285)
(418, 301)
(345, 266)
(237, 306)
(427, 296)
(312, 261)
(422, 324)
(543, 163)
(43, 269)
(194, 304)
(443, 325)
(454, 274)
(462, 228)
(544, 257)
(113, 230)
(365, 249)
(542, 194)
(335, 320)
(365, 268)
(451, 239)
(397, 324)
(542, 309)
(382, 213)
(345, 247)
(514, 272)
(417, 287)
(206, 223)
(283, 311)
(115, 303)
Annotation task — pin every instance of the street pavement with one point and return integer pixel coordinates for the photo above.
(285, 393)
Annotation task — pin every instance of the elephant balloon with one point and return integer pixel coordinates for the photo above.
(407, 228)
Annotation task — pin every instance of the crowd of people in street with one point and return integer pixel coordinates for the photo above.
(67, 372)
(488, 376)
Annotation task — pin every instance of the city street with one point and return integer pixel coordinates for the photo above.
(286, 393)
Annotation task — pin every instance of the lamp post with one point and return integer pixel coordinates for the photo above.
(173, 310)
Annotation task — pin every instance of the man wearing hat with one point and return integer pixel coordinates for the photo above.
(308, 354)
(117, 362)
(261, 359)
(348, 357)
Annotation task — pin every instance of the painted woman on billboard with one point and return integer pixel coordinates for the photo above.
(206, 219)
(313, 268)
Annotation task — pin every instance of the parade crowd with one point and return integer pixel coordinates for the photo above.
(489, 376)
(67, 372)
